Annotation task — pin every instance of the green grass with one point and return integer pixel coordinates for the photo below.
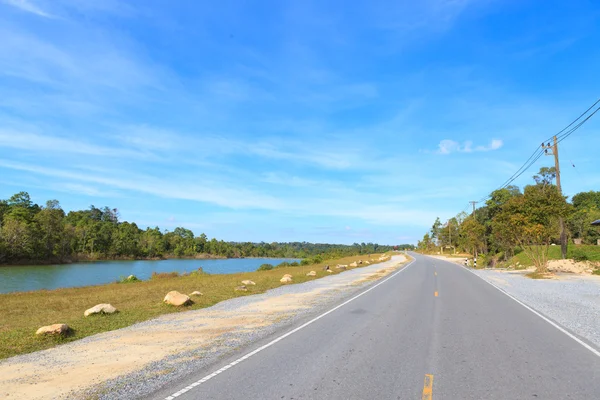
(591, 252)
(21, 314)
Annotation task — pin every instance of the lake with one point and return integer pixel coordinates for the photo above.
(35, 277)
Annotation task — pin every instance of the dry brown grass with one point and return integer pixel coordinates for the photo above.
(21, 314)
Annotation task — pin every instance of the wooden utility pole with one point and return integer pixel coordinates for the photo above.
(473, 203)
(553, 148)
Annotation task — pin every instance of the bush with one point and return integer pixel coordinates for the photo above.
(294, 264)
(283, 264)
(579, 255)
(265, 267)
(306, 261)
(128, 279)
(163, 275)
(317, 259)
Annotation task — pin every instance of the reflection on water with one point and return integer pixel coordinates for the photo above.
(36, 277)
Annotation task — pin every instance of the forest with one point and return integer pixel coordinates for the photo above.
(511, 221)
(30, 233)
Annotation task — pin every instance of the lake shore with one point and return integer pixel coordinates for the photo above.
(22, 313)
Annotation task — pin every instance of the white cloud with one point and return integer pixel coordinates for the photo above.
(165, 187)
(28, 6)
(448, 146)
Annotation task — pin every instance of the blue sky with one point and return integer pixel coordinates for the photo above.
(324, 121)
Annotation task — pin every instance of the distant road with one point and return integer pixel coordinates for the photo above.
(431, 330)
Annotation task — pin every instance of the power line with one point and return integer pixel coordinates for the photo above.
(561, 135)
(575, 120)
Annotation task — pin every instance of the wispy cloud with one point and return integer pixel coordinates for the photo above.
(28, 6)
(164, 187)
(448, 146)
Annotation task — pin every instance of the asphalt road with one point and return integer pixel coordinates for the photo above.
(470, 340)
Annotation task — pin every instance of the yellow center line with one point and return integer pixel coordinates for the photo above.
(436, 294)
(428, 388)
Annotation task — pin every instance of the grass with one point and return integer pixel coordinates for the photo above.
(590, 251)
(538, 275)
(21, 314)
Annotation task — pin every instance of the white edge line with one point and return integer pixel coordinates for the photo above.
(548, 320)
(271, 343)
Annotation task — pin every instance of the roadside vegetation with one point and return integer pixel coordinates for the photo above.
(523, 228)
(21, 314)
(34, 234)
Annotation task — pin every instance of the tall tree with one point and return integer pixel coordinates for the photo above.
(531, 221)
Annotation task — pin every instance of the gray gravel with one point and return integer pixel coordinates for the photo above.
(572, 301)
(157, 374)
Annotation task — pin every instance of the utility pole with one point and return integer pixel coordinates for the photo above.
(553, 148)
(475, 247)
(473, 204)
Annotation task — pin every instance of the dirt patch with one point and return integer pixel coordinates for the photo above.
(571, 266)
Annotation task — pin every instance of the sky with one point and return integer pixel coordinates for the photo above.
(313, 120)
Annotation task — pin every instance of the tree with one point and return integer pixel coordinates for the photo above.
(497, 241)
(50, 222)
(426, 244)
(531, 221)
(473, 233)
(545, 176)
(586, 210)
(435, 231)
(18, 238)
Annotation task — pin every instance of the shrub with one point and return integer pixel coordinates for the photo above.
(128, 279)
(163, 275)
(579, 255)
(306, 261)
(317, 259)
(283, 264)
(265, 267)
(294, 264)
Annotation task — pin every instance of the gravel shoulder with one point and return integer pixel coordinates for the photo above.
(134, 361)
(572, 301)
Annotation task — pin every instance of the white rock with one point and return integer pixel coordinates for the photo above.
(248, 282)
(195, 293)
(175, 298)
(354, 264)
(286, 279)
(56, 329)
(100, 309)
(312, 273)
(330, 271)
(242, 288)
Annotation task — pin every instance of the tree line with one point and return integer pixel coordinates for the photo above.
(513, 220)
(30, 233)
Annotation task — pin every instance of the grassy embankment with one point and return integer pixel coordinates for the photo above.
(576, 252)
(21, 314)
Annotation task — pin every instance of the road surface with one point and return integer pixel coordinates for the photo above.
(431, 330)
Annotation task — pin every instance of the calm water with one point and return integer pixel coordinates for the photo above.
(36, 277)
